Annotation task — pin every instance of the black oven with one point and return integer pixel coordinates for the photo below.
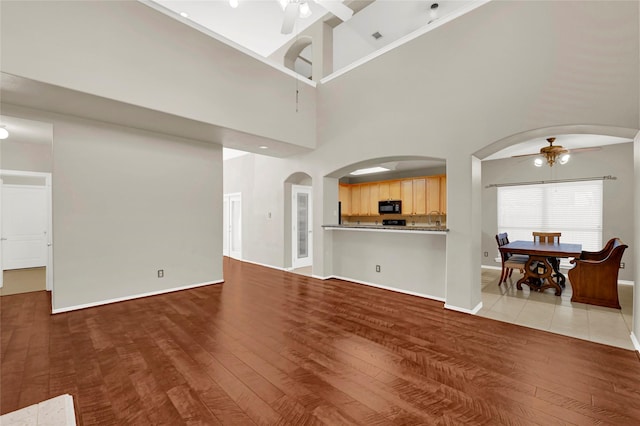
(390, 206)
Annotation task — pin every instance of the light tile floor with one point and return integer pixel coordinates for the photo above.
(57, 411)
(306, 271)
(557, 314)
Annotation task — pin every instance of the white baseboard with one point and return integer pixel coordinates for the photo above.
(322, 278)
(635, 342)
(464, 310)
(397, 290)
(264, 264)
(497, 268)
(136, 296)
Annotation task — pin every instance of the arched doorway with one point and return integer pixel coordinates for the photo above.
(299, 57)
(510, 171)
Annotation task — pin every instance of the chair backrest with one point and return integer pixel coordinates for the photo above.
(503, 239)
(547, 237)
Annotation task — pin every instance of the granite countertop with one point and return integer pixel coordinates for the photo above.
(408, 228)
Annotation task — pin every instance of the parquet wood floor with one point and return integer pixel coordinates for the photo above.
(270, 347)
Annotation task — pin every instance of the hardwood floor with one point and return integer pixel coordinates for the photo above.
(271, 347)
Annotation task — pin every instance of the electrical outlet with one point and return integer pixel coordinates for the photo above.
(160, 273)
(377, 268)
(486, 254)
(621, 265)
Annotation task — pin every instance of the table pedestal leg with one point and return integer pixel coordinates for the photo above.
(539, 269)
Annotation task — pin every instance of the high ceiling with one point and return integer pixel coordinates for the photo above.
(255, 24)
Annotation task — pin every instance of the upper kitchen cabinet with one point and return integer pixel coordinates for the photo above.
(365, 199)
(395, 189)
(355, 200)
(433, 194)
(344, 196)
(420, 196)
(374, 197)
(443, 194)
(406, 195)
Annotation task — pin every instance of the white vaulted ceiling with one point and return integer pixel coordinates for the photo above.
(255, 24)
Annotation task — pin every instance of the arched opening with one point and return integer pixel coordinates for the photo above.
(376, 247)
(507, 165)
(299, 57)
(298, 236)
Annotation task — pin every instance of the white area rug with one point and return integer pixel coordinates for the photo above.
(57, 411)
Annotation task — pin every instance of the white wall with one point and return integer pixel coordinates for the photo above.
(614, 160)
(126, 51)
(127, 203)
(414, 263)
(503, 69)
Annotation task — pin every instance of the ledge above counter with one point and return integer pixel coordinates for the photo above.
(413, 229)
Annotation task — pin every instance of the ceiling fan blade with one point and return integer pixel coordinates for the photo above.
(337, 8)
(525, 155)
(290, 15)
(571, 151)
(593, 148)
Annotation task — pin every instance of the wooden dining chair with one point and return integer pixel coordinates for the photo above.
(547, 237)
(553, 238)
(509, 261)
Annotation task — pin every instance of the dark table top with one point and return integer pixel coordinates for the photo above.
(543, 249)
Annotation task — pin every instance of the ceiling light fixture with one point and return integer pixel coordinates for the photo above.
(305, 10)
(4, 133)
(263, 147)
(369, 171)
(233, 3)
(434, 11)
(184, 14)
(552, 152)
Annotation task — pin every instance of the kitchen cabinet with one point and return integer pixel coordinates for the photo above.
(420, 196)
(433, 194)
(406, 195)
(365, 199)
(395, 190)
(414, 196)
(355, 200)
(443, 194)
(383, 191)
(374, 197)
(344, 196)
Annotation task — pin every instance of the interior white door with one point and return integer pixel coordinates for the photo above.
(232, 226)
(24, 226)
(301, 221)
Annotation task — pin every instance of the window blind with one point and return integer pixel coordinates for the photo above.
(573, 208)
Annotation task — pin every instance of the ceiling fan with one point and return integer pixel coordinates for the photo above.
(555, 153)
(295, 8)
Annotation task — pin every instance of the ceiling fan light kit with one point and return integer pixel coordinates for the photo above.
(551, 154)
(4, 133)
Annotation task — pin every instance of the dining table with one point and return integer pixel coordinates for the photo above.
(538, 270)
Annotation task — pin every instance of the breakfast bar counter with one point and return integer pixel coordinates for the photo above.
(405, 258)
(388, 228)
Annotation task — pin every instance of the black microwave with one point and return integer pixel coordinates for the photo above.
(390, 206)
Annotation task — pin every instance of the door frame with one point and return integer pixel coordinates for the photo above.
(228, 227)
(295, 262)
(49, 206)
